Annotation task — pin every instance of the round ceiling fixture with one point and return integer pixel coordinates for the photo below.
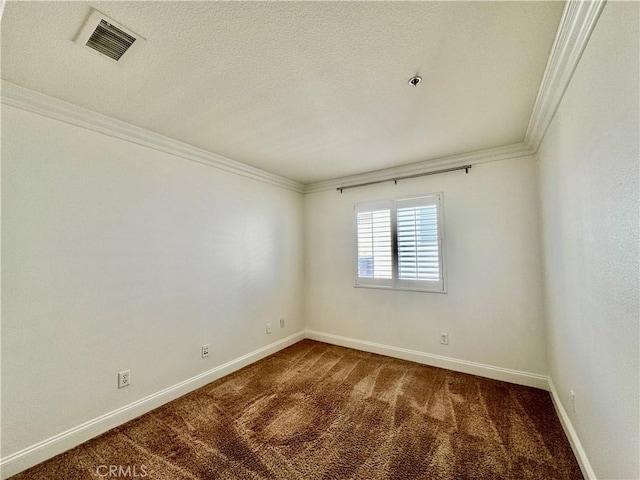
(414, 81)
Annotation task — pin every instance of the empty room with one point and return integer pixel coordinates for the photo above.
(320, 240)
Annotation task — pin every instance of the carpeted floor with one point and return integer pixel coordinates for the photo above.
(317, 411)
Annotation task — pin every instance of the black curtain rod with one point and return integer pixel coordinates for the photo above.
(395, 179)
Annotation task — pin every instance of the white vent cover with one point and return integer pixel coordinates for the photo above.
(107, 37)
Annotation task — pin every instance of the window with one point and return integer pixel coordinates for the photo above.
(399, 244)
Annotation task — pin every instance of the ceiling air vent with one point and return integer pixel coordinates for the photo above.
(107, 37)
(110, 40)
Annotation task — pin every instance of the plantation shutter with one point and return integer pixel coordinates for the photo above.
(374, 244)
(419, 256)
(399, 244)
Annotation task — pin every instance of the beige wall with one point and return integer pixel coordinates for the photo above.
(589, 164)
(493, 310)
(117, 256)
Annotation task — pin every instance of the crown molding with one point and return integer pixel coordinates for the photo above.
(31, 101)
(481, 156)
(576, 25)
(578, 20)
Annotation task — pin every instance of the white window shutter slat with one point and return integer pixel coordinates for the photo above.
(418, 257)
(374, 244)
(399, 244)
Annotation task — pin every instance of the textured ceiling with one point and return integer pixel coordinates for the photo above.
(306, 90)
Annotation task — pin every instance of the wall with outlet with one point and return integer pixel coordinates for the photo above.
(493, 311)
(589, 193)
(118, 257)
(126, 270)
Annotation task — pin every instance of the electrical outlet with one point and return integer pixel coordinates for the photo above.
(268, 328)
(573, 400)
(282, 323)
(444, 338)
(205, 350)
(124, 378)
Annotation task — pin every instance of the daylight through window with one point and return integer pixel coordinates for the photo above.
(399, 244)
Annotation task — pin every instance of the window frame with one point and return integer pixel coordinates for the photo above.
(395, 283)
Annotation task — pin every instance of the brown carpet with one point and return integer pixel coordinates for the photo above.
(317, 411)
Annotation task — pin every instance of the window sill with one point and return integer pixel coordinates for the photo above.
(401, 289)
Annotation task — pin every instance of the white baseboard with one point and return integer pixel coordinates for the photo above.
(30, 456)
(464, 366)
(578, 451)
(488, 371)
